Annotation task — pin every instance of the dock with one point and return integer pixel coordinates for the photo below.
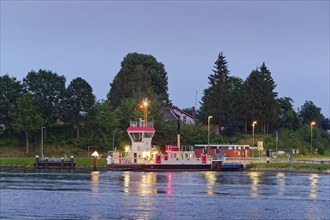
(54, 163)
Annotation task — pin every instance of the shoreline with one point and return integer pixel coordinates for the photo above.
(289, 170)
(104, 168)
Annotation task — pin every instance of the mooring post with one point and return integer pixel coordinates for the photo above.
(46, 161)
(62, 162)
(37, 161)
(71, 161)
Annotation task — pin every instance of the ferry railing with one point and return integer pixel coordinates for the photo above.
(141, 123)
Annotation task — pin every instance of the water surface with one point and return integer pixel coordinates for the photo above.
(163, 195)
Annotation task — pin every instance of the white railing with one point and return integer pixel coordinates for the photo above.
(141, 123)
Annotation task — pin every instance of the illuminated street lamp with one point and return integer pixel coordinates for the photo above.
(144, 106)
(208, 131)
(253, 124)
(312, 123)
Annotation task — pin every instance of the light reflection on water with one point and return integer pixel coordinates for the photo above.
(313, 178)
(211, 181)
(164, 195)
(280, 181)
(169, 189)
(95, 181)
(254, 186)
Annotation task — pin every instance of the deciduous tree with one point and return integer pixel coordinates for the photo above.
(310, 112)
(48, 89)
(287, 117)
(140, 76)
(80, 100)
(10, 91)
(26, 117)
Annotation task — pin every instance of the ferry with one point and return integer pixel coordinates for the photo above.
(142, 156)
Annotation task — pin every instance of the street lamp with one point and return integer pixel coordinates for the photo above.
(208, 131)
(312, 123)
(253, 124)
(113, 139)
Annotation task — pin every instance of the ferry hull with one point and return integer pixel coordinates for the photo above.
(173, 167)
(164, 167)
(160, 167)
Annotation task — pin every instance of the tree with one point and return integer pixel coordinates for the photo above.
(223, 99)
(260, 98)
(80, 100)
(140, 76)
(10, 91)
(215, 100)
(26, 117)
(127, 111)
(235, 109)
(102, 125)
(310, 112)
(48, 89)
(287, 117)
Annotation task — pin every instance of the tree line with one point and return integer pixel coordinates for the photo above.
(235, 103)
(72, 116)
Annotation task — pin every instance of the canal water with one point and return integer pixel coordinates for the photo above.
(163, 195)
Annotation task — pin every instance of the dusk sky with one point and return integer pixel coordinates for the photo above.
(89, 39)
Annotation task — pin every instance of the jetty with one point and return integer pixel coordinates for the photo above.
(54, 163)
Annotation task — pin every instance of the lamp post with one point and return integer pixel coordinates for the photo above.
(113, 139)
(144, 106)
(312, 123)
(253, 124)
(42, 143)
(208, 131)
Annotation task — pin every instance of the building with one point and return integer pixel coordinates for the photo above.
(175, 113)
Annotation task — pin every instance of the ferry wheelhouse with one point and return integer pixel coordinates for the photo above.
(141, 150)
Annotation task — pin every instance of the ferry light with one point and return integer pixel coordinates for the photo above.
(127, 148)
(144, 107)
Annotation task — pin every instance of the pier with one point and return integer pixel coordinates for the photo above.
(54, 163)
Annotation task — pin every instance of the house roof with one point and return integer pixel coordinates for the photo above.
(175, 113)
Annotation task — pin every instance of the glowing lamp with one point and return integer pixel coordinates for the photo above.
(95, 155)
(126, 148)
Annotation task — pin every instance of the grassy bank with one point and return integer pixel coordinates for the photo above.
(290, 166)
(28, 161)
